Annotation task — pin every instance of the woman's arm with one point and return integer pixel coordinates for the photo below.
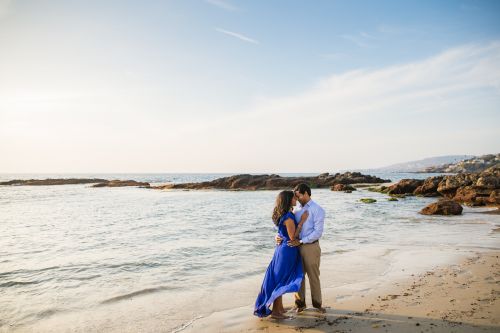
(303, 219)
(290, 228)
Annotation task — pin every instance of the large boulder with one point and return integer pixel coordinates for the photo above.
(443, 207)
(473, 196)
(429, 187)
(405, 186)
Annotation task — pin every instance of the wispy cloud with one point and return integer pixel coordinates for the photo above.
(237, 35)
(223, 4)
(365, 118)
(361, 39)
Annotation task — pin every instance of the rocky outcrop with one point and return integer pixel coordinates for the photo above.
(473, 189)
(443, 207)
(98, 182)
(475, 164)
(404, 186)
(275, 182)
(429, 187)
(53, 181)
(121, 183)
(343, 188)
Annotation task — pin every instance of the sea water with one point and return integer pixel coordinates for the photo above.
(77, 258)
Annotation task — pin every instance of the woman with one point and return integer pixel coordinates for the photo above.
(284, 274)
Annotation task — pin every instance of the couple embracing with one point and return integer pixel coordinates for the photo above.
(297, 253)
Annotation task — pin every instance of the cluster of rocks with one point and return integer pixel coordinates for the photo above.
(473, 189)
(275, 182)
(475, 164)
(74, 181)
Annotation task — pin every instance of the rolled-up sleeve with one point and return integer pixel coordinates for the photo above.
(318, 222)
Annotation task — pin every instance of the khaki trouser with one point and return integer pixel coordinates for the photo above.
(310, 254)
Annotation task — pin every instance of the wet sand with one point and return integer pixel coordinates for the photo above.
(463, 297)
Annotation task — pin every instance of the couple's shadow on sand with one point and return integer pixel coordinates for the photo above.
(334, 320)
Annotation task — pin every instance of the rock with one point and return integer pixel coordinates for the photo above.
(472, 196)
(368, 200)
(52, 181)
(494, 198)
(392, 199)
(449, 185)
(275, 182)
(380, 189)
(443, 207)
(405, 186)
(429, 187)
(121, 183)
(342, 187)
(465, 194)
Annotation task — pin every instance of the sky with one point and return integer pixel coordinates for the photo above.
(245, 86)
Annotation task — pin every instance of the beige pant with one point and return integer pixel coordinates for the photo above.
(311, 254)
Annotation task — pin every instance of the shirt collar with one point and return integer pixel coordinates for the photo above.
(308, 203)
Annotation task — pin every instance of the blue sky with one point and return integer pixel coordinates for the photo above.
(226, 86)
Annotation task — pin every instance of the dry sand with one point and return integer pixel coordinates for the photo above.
(457, 298)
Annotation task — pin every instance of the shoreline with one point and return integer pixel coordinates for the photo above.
(462, 295)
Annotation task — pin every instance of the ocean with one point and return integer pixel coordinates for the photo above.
(82, 259)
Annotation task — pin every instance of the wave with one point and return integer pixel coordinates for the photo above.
(17, 283)
(28, 271)
(137, 293)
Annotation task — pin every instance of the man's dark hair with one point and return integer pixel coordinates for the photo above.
(303, 188)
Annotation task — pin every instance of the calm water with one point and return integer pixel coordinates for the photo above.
(68, 253)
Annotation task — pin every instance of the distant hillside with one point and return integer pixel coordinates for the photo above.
(418, 166)
(475, 164)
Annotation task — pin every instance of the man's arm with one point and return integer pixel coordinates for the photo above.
(319, 220)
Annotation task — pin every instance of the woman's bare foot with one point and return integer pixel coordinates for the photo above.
(279, 316)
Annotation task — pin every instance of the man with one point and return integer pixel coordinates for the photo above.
(310, 250)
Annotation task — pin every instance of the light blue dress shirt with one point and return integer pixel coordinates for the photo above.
(312, 229)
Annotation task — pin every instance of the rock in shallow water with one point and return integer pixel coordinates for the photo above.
(443, 207)
(342, 187)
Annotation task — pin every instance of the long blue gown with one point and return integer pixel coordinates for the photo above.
(284, 274)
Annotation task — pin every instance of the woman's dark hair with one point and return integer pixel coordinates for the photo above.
(282, 205)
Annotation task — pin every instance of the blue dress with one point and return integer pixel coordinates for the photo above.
(284, 274)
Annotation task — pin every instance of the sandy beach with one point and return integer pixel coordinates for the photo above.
(461, 297)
